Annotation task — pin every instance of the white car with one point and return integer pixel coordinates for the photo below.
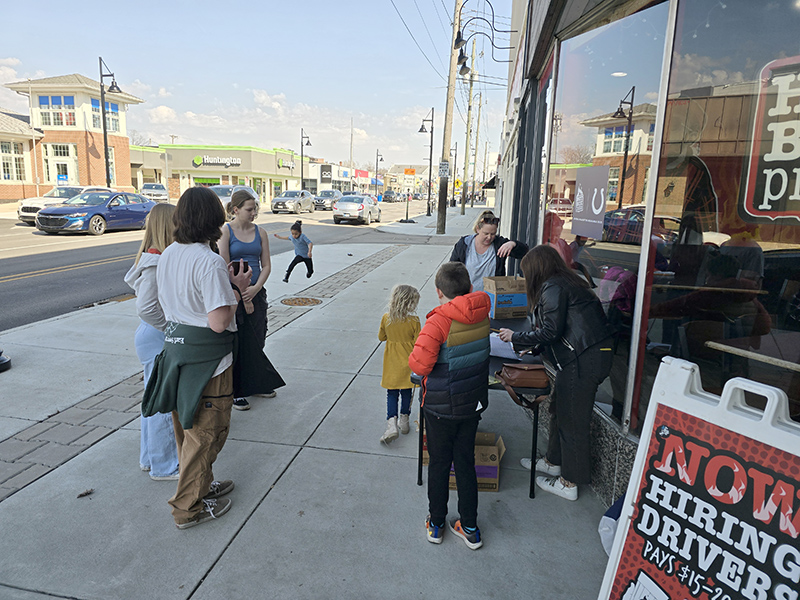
(362, 209)
(29, 207)
(157, 192)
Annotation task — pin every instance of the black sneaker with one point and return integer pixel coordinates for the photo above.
(219, 488)
(212, 509)
(472, 540)
(286, 279)
(241, 404)
(309, 275)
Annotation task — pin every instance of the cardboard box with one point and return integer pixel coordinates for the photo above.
(488, 454)
(508, 295)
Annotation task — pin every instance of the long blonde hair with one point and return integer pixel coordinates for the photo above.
(159, 230)
(402, 302)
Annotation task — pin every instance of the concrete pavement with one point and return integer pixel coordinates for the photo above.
(321, 509)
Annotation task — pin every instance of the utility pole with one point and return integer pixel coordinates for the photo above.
(455, 173)
(468, 150)
(441, 215)
(485, 158)
(172, 138)
(351, 154)
(475, 165)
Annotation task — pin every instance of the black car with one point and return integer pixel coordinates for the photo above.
(389, 196)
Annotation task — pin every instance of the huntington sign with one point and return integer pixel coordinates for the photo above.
(773, 175)
(225, 161)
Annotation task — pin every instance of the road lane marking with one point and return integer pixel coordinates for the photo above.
(65, 268)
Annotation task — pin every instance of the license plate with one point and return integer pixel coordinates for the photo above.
(346, 214)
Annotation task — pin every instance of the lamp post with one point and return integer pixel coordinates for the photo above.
(377, 156)
(112, 89)
(430, 161)
(620, 114)
(303, 138)
(454, 152)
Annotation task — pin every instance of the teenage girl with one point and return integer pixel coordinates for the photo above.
(399, 329)
(302, 249)
(243, 240)
(158, 452)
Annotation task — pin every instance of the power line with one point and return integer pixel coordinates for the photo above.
(438, 16)
(416, 42)
(425, 25)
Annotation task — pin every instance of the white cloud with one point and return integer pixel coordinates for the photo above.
(162, 114)
(693, 70)
(9, 62)
(164, 93)
(138, 88)
(652, 96)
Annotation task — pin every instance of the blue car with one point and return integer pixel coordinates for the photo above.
(95, 212)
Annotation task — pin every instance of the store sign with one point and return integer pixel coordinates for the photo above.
(589, 206)
(224, 161)
(409, 171)
(289, 164)
(715, 497)
(773, 177)
(325, 174)
(360, 173)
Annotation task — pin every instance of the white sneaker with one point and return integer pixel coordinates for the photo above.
(391, 432)
(542, 466)
(554, 485)
(402, 424)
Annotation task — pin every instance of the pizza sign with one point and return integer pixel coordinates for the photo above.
(773, 175)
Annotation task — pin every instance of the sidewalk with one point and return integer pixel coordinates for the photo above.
(321, 509)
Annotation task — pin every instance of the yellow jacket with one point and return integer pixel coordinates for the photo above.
(399, 338)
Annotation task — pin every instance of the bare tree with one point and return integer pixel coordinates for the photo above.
(137, 139)
(577, 154)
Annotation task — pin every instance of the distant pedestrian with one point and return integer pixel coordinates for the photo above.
(452, 352)
(302, 250)
(193, 376)
(399, 329)
(243, 240)
(158, 452)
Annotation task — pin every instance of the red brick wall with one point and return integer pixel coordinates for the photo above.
(634, 182)
(174, 187)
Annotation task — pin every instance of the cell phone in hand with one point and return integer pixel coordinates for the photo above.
(236, 267)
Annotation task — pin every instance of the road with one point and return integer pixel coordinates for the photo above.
(43, 276)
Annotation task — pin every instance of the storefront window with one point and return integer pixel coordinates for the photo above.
(598, 232)
(724, 291)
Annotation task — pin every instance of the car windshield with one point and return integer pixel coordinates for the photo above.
(89, 199)
(221, 191)
(290, 195)
(153, 186)
(63, 192)
(327, 194)
(354, 199)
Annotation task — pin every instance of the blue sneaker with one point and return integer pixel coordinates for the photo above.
(472, 539)
(434, 532)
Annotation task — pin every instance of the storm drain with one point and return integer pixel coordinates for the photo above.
(301, 301)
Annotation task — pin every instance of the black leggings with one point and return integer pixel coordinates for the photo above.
(296, 261)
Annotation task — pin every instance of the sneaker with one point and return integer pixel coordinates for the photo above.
(556, 486)
(172, 477)
(269, 394)
(286, 279)
(144, 468)
(402, 424)
(219, 488)
(212, 509)
(472, 540)
(542, 466)
(308, 275)
(434, 532)
(241, 404)
(391, 432)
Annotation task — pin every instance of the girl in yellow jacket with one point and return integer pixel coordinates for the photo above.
(399, 329)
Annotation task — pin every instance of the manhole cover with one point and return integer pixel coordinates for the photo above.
(301, 301)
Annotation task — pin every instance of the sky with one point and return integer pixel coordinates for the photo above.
(254, 74)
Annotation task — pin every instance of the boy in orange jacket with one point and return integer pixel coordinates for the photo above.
(452, 353)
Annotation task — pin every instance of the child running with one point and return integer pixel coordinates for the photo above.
(302, 249)
(399, 329)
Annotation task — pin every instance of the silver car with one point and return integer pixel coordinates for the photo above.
(327, 198)
(361, 209)
(157, 192)
(224, 192)
(294, 201)
(29, 207)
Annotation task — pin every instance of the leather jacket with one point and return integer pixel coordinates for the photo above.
(568, 319)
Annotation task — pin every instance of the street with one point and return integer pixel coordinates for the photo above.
(43, 276)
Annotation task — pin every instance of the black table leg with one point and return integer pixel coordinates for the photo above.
(534, 444)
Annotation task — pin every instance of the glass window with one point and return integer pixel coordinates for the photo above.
(729, 298)
(5, 147)
(69, 101)
(55, 101)
(44, 101)
(606, 147)
(12, 161)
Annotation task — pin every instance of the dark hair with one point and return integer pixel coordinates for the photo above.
(540, 264)
(198, 216)
(238, 198)
(452, 279)
(297, 226)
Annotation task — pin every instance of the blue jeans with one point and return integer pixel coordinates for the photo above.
(158, 449)
(391, 402)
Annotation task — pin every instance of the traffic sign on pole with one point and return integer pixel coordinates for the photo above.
(444, 169)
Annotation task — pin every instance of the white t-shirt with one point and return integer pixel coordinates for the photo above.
(193, 281)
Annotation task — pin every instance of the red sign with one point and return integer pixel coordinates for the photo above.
(716, 517)
(773, 176)
(360, 173)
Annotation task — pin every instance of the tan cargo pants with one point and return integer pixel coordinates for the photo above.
(198, 447)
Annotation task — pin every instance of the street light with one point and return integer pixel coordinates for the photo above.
(377, 156)
(620, 114)
(303, 138)
(112, 89)
(430, 158)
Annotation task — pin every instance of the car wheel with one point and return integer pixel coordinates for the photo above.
(50, 232)
(274, 212)
(604, 237)
(97, 225)
(368, 218)
(313, 208)
(297, 208)
(336, 221)
(378, 220)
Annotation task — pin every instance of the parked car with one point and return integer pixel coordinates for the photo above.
(351, 193)
(389, 196)
(560, 206)
(226, 191)
(625, 226)
(96, 212)
(294, 201)
(417, 196)
(326, 199)
(155, 191)
(361, 209)
(27, 208)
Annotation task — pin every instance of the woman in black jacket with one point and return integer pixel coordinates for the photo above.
(484, 252)
(571, 330)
